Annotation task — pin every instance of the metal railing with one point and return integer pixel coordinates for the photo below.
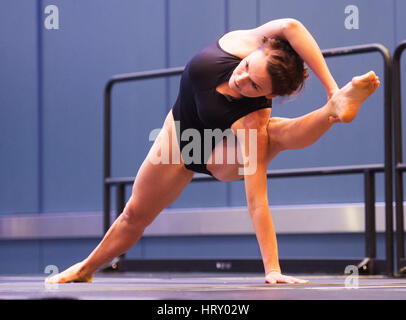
(369, 264)
(400, 167)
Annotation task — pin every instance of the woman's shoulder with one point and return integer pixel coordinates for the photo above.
(240, 43)
(215, 61)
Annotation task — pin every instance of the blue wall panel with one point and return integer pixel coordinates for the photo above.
(95, 41)
(99, 38)
(138, 108)
(399, 20)
(32, 257)
(400, 32)
(20, 256)
(243, 14)
(200, 247)
(18, 107)
(192, 25)
(63, 253)
(325, 20)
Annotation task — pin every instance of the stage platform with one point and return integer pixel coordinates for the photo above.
(202, 286)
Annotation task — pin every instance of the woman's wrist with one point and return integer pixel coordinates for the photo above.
(273, 269)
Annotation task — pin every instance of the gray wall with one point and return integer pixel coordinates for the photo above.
(52, 81)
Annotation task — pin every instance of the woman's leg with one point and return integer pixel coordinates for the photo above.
(155, 187)
(301, 132)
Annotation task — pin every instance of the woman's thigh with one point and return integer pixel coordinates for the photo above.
(225, 161)
(159, 183)
(225, 170)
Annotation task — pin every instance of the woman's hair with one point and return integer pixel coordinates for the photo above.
(286, 68)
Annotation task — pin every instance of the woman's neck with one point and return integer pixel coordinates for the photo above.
(225, 89)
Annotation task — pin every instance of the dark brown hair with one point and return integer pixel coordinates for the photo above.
(286, 68)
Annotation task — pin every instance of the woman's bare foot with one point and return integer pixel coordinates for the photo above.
(75, 273)
(345, 103)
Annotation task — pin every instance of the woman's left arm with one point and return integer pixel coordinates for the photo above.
(304, 44)
(254, 146)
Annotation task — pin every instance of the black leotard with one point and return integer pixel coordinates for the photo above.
(200, 106)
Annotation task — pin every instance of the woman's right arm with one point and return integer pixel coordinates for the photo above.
(303, 43)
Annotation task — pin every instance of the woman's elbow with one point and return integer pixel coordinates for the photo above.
(258, 209)
(291, 24)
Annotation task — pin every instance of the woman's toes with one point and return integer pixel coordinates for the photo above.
(364, 79)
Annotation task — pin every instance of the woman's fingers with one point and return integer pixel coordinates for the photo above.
(295, 280)
(275, 278)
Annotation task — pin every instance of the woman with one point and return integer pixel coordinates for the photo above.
(228, 85)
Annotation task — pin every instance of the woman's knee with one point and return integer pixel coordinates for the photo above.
(274, 134)
(138, 215)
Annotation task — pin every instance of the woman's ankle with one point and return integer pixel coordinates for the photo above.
(86, 268)
(330, 111)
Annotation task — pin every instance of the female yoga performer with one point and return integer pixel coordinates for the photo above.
(228, 85)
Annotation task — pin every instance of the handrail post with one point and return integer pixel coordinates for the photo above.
(107, 157)
(388, 160)
(388, 142)
(370, 225)
(120, 203)
(397, 112)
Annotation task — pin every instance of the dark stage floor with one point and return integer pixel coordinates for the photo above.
(202, 286)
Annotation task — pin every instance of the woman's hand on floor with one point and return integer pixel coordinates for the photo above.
(276, 277)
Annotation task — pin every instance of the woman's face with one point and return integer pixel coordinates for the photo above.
(250, 78)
